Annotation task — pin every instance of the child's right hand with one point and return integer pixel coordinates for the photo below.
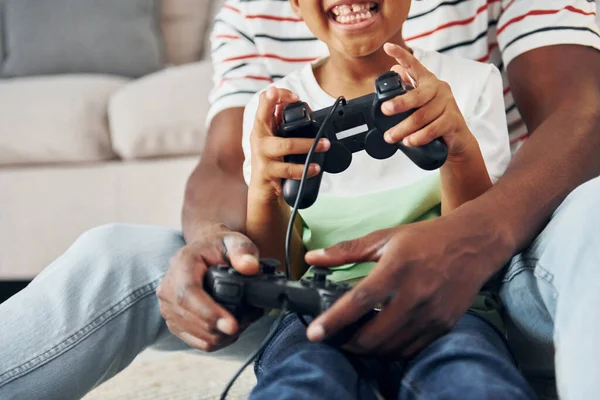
(268, 149)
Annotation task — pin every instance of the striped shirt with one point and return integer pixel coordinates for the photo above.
(255, 42)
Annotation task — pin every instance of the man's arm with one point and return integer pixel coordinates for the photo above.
(557, 91)
(428, 273)
(215, 195)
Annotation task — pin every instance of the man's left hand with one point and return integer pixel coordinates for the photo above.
(426, 277)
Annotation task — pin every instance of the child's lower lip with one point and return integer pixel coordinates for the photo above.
(355, 26)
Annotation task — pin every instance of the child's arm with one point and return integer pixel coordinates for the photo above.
(268, 214)
(464, 176)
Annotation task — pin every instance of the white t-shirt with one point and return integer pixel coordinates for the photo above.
(376, 194)
(256, 42)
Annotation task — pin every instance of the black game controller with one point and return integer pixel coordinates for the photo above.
(356, 125)
(266, 290)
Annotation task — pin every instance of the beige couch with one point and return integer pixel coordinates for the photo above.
(78, 151)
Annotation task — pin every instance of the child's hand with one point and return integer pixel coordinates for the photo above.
(437, 113)
(268, 149)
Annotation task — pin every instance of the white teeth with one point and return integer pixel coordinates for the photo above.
(351, 13)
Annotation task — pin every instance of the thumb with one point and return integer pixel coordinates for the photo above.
(366, 248)
(241, 252)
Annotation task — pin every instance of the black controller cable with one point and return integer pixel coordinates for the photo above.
(288, 240)
(256, 352)
(303, 179)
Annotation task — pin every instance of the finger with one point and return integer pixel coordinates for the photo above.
(366, 248)
(413, 99)
(287, 170)
(198, 304)
(407, 61)
(277, 147)
(438, 128)
(349, 308)
(265, 113)
(200, 344)
(241, 253)
(416, 121)
(396, 320)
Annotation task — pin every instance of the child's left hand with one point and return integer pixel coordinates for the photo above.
(436, 115)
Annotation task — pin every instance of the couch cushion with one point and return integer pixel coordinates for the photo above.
(82, 36)
(55, 119)
(1, 36)
(162, 114)
(184, 25)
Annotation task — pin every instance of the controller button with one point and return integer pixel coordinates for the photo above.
(227, 290)
(233, 272)
(293, 114)
(223, 267)
(306, 282)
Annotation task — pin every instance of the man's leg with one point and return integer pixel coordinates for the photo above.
(89, 314)
(472, 361)
(292, 367)
(551, 293)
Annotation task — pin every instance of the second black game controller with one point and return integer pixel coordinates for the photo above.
(356, 125)
(239, 293)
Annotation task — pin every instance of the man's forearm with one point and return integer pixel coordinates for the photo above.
(563, 150)
(213, 199)
(215, 195)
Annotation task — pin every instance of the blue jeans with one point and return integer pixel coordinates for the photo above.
(472, 361)
(90, 312)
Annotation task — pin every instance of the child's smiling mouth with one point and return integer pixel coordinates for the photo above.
(354, 15)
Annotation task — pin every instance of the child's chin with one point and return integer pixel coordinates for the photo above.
(361, 50)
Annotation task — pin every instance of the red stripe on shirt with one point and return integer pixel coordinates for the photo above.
(454, 23)
(273, 18)
(225, 36)
(486, 57)
(506, 90)
(541, 12)
(231, 8)
(253, 77)
(274, 56)
(519, 138)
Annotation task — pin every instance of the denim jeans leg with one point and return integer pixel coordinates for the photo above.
(551, 292)
(472, 361)
(86, 316)
(292, 367)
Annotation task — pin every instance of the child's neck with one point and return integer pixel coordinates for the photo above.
(350, 77)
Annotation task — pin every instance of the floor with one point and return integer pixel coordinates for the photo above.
(155, 375)
(175, 376)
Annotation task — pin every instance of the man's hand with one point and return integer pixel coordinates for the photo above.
(190, 313)
(426, 277)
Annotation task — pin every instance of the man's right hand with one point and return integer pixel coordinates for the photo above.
(191, 314)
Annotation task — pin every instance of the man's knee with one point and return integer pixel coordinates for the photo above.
(580, 208)
(122, 248)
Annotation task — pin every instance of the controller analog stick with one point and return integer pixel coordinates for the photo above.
(269, 266)
(377, 147)
(338, 158)
(320, 275)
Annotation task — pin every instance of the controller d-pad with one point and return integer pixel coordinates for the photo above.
(293, 114)
(227, 290)
(338, 158)
(377, 147)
